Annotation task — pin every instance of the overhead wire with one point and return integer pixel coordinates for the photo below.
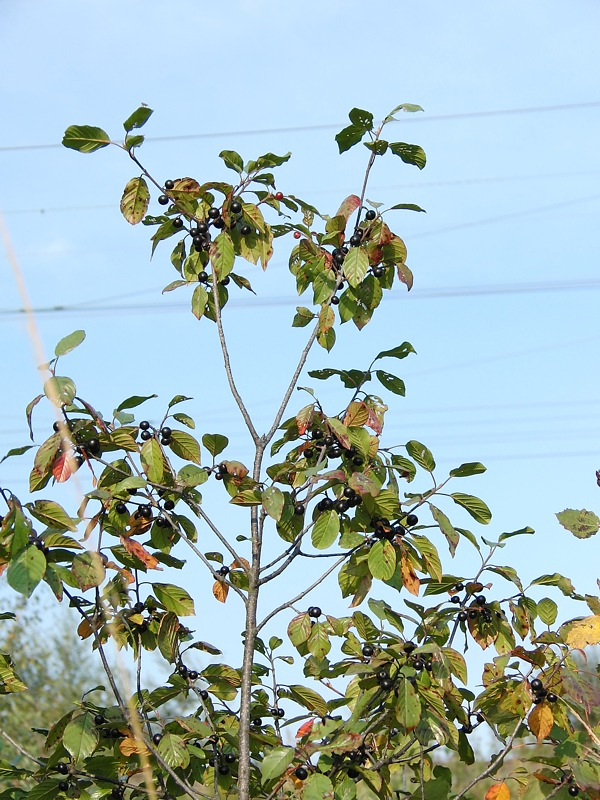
(331, 126)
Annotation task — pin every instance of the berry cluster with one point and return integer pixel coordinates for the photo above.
(83, 442)
(147, 432)
(322, 444)
(540, 693)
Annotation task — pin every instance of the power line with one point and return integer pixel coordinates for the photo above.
(417, 294)
(331, 126)
(394, 187)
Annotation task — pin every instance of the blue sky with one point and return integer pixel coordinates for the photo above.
(503, 314)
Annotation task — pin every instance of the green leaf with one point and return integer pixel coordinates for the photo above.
(81, 737)
(179, 398)
(232, 160)
(199, 301)
(476, 507)
(215, 443)
(26, 570)
(60, 391)
(133, 401)
(173, 751)
(276, 761)
(133, 141)
(51, 514)
(9, 680)
(299, 629)
(349, 136)
(421, 454)
(317, 787)
(135, 200)
(430, 555)
(466, 470)
(325, 530)
(191, 475)
(409, 153)
(407, 207)
(326, 339)
(184, 419)
(382, 560)
(152, 460)
(556, 579)
(521, 532)
(17, 451)
(273, 501)
(88, 569)
(379, 147)
(85, 138)
(547, 611)
(138, 119)
(356, 265)
(303, 317)
(403, 350)
(308, 698)
(222, 256)
(391, 382)
(29, 411)
(68, 343)
(581, 524)
(408, 107)
(185, 446)
(168, 636)
(408, 706)
(174, 598)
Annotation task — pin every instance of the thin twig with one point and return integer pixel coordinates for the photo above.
(291, 602)
(494, 763)
(20, 748)
(286, 398)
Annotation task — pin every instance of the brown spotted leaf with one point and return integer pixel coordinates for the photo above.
(136, 549)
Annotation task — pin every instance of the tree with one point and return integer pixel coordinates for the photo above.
(383, 693)
(57, 669)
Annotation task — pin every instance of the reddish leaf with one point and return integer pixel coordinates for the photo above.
(136, 549)
(349, 205)
(236, 468)
(305, 729)
(409, 576)
(62, 468)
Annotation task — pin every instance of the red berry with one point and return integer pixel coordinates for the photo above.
(297, 234)
(279, 196)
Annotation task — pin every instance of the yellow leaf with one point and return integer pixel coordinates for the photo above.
(541, 721)
(583, 632)
(130, 746)
(499, 791)
(357, 415)
(220, 590)
(409, 576)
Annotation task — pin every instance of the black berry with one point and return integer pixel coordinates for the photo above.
(169, 505)
(462, 616)
(223, 570)
(245, 230)
(481, 599)
(235, 207)
(62, 768)
(223, 769)
(165, 431)
(145, 435)
(178, 223)
(573, 791)
(193, 675)
(156, 738)
(370, 215)
(301, 773)
(314, 611)
(257, 722)
(355, 240)
(536, 685)
(219, 223)
(551, 697)
(163, 199)
(455, 599)
(63, 786)
(412, 519)
(204, 695)
(367, 650)
(230, 758)
(298, 509)
(121, 508)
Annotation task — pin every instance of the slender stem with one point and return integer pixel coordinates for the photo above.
(291, 387)
(20, 748)
(302, 594)
(494, 763)
(227, 364)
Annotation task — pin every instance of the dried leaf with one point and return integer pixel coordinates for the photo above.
(541, 720)
(130, 747)
(136, 549)
(583, 632)
(220, 590)
(409, 576)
